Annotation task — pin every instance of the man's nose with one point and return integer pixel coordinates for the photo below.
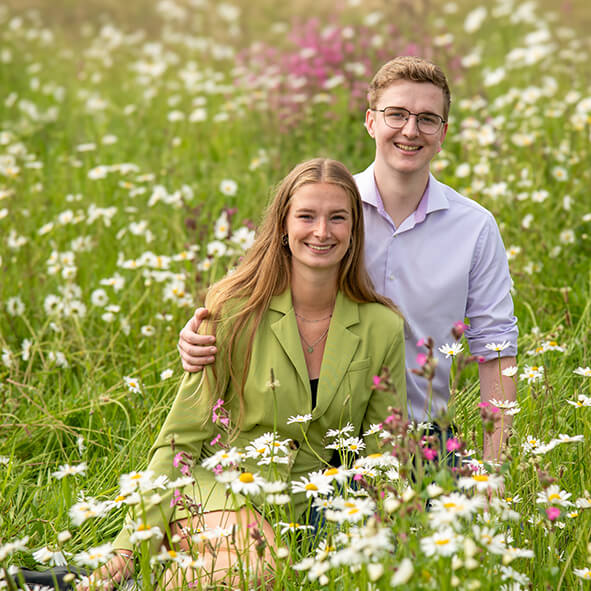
(411, 128)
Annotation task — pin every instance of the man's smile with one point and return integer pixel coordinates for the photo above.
(407, 148)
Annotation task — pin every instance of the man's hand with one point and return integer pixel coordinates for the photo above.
(494, 385)
(196, 350)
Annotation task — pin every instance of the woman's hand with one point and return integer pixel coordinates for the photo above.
(119, 568)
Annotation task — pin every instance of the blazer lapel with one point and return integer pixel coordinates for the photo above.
(341, 345)
(286, 331)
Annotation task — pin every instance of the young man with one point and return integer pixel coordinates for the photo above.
(438, 255)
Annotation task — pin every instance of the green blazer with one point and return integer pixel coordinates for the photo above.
(362, 339)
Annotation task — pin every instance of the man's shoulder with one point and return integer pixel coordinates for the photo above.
(365, 180)
(458, 202)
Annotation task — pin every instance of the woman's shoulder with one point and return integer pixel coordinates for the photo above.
(222, 312)
(380, 317)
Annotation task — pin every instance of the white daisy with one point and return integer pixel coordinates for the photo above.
(313, 485)
(67, 470)
(451, 350)
(442, 543)
(95, 556)
(554, 496)
(498, 346)
(299, 419)
(247, 483)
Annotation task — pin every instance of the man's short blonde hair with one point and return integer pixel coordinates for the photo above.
(407, 67)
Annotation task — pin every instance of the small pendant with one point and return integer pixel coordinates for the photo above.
(310, 349)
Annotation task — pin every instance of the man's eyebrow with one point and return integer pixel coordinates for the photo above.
(419, 113)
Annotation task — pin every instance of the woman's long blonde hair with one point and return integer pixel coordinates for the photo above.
(265, 270)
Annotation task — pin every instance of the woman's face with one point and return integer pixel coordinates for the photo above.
(318, 224)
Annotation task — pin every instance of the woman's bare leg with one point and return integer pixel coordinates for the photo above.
(244, 554)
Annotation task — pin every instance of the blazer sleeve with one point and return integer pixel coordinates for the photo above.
(380, 401)
(189, 424)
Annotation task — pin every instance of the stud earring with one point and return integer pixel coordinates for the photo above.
(285, 240)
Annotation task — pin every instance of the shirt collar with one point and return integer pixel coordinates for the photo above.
(433, 198)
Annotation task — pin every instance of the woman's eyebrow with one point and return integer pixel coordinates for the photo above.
(312, 210)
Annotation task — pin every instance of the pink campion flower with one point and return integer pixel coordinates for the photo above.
(215, 440)
(225, 421)
(376, 380)
(483, 404)
(185, 470)
(357, 477)
(458, 329)
(218, 469)
(176, 497)
(480, 359)
(420, 342)
(453, 444)
(219, 403)
(553, 513)
(421, 359)
(429, 453)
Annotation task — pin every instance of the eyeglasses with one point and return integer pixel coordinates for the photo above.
(397, 117)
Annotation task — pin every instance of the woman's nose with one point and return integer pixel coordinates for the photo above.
(322, 228)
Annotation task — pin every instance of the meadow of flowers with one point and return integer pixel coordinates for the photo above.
(137, 149)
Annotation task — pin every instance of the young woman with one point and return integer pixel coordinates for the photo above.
(299, 310)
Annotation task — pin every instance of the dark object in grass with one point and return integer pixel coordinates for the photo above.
(50, 579)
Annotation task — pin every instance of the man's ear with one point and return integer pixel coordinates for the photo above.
(443, 134)
(370, 122)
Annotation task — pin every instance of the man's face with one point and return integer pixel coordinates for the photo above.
(406, 150)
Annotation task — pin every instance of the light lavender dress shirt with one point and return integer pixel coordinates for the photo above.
(444, 263)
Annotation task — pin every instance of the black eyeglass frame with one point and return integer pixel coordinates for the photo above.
(417, 115)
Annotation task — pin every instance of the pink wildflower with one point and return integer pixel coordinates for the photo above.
(420, 342)
(178, 458)
(218, 469)
(215, 440)
(176, 497)
(376, 380)
(429, 453)
(453, 444)
(421, 359)
(552, 513)
(458, 329)
(483, 404)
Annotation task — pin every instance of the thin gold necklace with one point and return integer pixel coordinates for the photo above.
(308, 319)
(310, 346)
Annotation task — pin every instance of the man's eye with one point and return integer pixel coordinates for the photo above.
(396, 115)
(429, 119)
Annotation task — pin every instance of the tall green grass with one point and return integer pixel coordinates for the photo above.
(63, 87)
